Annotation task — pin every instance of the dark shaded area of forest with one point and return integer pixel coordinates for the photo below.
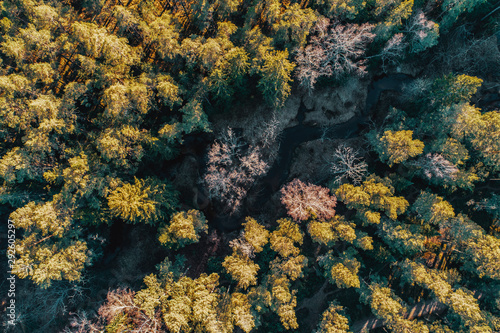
(263, 166)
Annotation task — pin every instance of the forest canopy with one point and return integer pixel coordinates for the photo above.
(258, 166)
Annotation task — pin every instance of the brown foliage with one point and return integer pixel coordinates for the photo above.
(304, 201)
(121, 302)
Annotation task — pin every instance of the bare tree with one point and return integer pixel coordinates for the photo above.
(417, 89)
(121, 301)
(462, 51)
(393, 51)
(38, 309)
(347, 164)
(436, 168)
(118, 301)
(333, 51)
(267, 133)
(232, 168)
(304, 201)
(81, 323)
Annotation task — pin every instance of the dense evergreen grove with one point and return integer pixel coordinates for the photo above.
(103, 102)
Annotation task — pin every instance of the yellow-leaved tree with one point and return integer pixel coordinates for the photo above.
(147, 200)
(394, 147)
(183, 229)
(50, 249)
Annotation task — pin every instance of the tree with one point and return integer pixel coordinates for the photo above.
(231, 170)
(305, 201)
(483, 254)
(201, 15)
(210, 53)
(194, 119)
(481, 132)
(81, 323)
(96, 42)
(16, 90)
(349, 9)
(333, 320)
(183, 229)
(441, 170)
(342, 270)
(241, 268)
(40, 43)
(42, 72)
(333, 52)
(478, 251)
(424, 32)
(18, 166)
(229, 74)
(83, 183)
(283, 301)
(400, 325)
(255, 234)
(331, 231)
(382, 300)
(269, 10)
(256, 44)
(403, 238)
(293, 26)
(440, 122)
(395, 12)
(432, 209)
(347, 165)
(460, 300)
(393, 51)
(394, 147)
(451, 150)
(291, 267)
(227, 7)
(284, 238)
(363, 241)
(241, 309)
(454, 89)
(387, 306)
(164, 34)
(50, 249)
(374, 194)
(127, 21)
(452, 9)
(172, 135)
(173, 303)
(236, 64)
(275, 78)
(124, 147)
(491, 205)
(147, 201)
(14, 48)
(168, 91)
(46, 263)
(436, 169)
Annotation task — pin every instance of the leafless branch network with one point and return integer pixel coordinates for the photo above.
(232, 169)
(333, 51)
(347, 165)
